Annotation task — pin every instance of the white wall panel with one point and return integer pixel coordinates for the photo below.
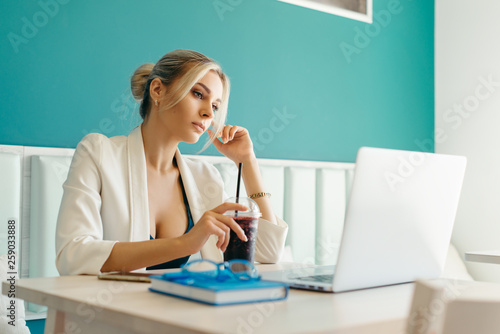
(274, 180)
(467, 119)
(300, 212)
(330, 208)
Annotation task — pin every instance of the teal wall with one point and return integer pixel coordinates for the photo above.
(70, 75)
(36, 326)
(293, 87)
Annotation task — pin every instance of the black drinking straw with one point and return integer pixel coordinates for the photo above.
(238, 188)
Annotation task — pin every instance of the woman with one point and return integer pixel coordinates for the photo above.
(134, 202)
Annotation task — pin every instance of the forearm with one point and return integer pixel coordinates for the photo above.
(127, 256)
(254, 184)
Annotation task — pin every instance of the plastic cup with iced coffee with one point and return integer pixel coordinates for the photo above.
(248, 221)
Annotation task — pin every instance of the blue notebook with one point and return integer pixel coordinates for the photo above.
(217, 293)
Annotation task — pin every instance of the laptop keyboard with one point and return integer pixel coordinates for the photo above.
(317, 278)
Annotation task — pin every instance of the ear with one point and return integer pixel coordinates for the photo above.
(155, 89)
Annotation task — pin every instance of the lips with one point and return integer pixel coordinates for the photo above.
(199, 126)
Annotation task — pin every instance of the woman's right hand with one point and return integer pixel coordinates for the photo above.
(214, 222)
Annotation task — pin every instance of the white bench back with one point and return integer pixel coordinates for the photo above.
(309, 196)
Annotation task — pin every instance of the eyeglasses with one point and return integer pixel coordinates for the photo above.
(231, 270)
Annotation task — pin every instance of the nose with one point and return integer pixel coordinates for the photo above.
(206, 111)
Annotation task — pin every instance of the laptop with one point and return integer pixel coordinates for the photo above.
(398, 222)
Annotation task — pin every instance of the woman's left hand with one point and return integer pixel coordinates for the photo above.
(234, 143)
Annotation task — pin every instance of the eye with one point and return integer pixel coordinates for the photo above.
(215, 107)
(197, 94)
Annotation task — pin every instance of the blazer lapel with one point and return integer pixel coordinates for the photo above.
(138, 186)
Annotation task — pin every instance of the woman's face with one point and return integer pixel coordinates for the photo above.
(192, 116)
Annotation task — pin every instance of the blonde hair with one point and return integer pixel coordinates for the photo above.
(179, 70)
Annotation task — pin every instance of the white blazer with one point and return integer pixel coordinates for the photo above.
(105, 200)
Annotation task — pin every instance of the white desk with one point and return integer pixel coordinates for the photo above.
(84, 304)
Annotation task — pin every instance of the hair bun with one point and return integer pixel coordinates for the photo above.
(139, 80)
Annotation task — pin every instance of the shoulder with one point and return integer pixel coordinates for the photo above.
(97, 146)
(95, 140)
(97, 143)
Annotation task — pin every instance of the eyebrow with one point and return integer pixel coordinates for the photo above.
(208, 90)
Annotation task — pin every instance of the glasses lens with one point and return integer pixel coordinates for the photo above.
(239, 267)
(202, 269)
(243, 270)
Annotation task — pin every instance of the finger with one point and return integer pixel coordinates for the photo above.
(220, 237)
(214, 131)
(225, 135)
(233, 225)
(233, 131)
(229, 206)
(216, 228)
(215, 141)
(220, 132)
(227, 238)
(223, 233)
(230, 222)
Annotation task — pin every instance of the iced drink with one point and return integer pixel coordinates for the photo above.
(248, 221)
(239, 249)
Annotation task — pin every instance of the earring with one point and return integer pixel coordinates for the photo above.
(156, 103)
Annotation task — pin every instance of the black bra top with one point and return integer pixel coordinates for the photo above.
(177, 263)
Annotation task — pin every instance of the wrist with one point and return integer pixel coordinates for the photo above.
(250, 160)
(259, 195)
(186, 244)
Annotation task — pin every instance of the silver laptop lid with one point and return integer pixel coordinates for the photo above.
(399, 218)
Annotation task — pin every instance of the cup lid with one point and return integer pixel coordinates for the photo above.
(253, 208)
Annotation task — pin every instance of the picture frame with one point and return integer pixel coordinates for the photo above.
(360, 10)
